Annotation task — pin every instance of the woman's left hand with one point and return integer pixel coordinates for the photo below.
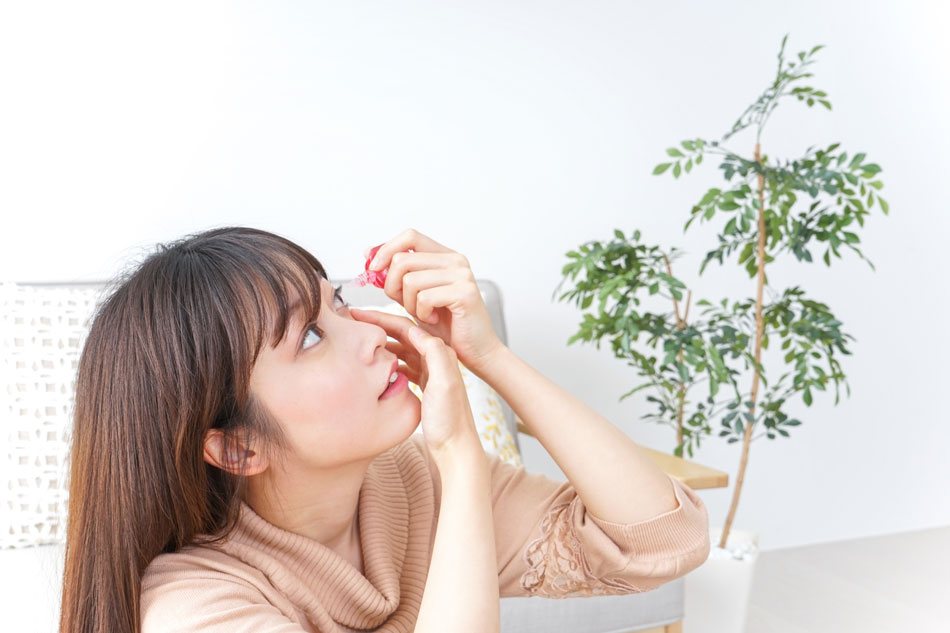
(437, 287)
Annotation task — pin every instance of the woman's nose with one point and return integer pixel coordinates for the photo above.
(371, 337)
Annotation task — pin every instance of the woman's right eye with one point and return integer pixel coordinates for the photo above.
(312, 329)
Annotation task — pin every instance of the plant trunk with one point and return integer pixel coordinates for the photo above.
(681, 324)
(679, 414)
(759, 328)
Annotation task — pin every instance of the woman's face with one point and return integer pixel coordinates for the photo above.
(323, 391)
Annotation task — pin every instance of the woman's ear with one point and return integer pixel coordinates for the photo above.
(228, 455)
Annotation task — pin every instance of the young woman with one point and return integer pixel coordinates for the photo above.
(241, 460)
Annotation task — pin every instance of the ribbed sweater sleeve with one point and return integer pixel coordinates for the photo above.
(549, 545)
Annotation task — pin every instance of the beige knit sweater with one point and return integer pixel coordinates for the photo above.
(264, 579)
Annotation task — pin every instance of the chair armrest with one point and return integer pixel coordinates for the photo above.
(694, 475)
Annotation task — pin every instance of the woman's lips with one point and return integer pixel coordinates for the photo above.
(398, 385)
(395, 367)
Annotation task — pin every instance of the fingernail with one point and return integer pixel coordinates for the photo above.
(373, 264)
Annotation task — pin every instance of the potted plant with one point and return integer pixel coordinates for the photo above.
(765, 207)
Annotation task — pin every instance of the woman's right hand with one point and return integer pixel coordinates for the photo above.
(447, 419)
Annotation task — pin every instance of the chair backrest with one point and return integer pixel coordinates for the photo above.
(42, 331)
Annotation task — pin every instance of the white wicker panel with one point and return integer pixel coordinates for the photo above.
(42, 330)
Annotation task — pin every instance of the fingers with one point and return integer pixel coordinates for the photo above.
(440, 358)
(457, 293)
(410, 273)
(415, 262)
(418, 282)
(401, 350)
(395, 325)
(411, 361)
(408, 239)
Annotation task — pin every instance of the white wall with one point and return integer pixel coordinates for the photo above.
(512, 132)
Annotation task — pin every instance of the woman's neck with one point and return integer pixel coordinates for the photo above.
(322, 505)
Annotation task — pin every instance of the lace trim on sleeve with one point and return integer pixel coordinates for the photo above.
(556, 564)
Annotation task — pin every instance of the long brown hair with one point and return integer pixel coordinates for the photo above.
(168, 357)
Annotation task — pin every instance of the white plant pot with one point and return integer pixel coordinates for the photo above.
(716, 594)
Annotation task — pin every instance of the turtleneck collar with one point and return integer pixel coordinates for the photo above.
(396, 525)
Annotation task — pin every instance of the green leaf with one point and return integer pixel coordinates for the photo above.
(884, 205)
(619, 234)
(673, 281)
(659, 169)
(857, 159)
(709, 197)
(684, 374)
(730, 227)
(676, 170)
(806, 396)
(717, 359)
(746, 252)
(675, 153)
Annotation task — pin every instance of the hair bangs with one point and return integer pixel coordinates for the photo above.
(274, 282)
